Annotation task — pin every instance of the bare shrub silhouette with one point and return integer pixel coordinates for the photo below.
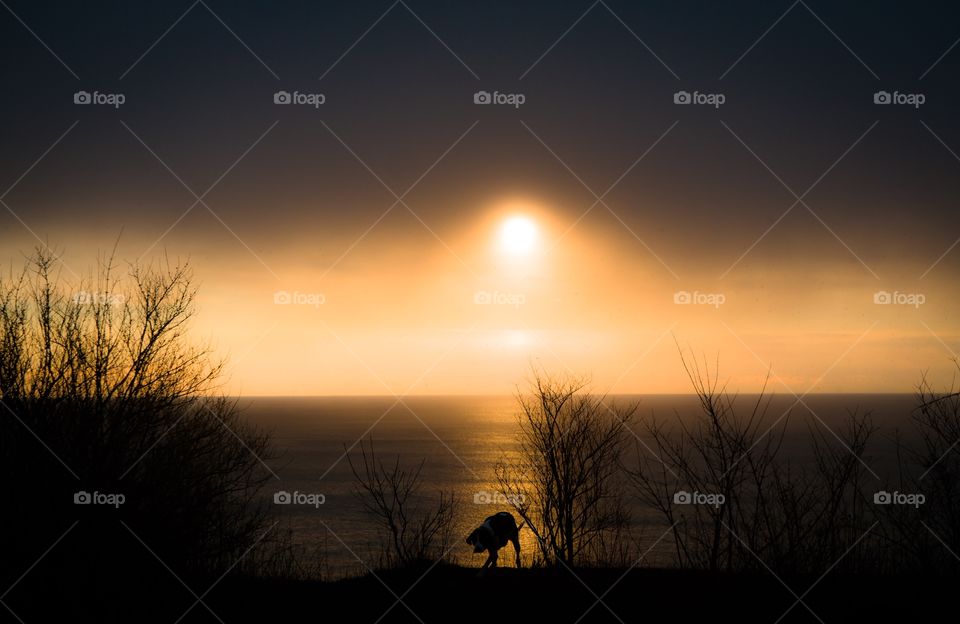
(103, 390)
(565, 482)
(924, 538)
(415, 530)
(765, 512)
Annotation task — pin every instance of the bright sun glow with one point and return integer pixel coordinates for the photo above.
(518, 235)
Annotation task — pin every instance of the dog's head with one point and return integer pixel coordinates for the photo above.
(474, 540)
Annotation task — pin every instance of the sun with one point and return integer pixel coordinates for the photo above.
(518, 235)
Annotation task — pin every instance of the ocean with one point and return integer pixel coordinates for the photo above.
(460, 439)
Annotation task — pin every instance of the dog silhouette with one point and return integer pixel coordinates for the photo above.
(493, 535)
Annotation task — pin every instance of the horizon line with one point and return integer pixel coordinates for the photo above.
(512, 395)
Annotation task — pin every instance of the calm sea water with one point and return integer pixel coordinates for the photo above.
(460, 440)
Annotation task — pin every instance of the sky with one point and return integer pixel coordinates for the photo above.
(430, 198)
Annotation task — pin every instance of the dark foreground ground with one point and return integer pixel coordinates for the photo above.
(455, 594)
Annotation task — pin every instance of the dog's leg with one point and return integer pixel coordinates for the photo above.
(491, 560)
(516, 546)
(483, 569)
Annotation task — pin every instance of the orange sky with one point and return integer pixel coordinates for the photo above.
(469, 315)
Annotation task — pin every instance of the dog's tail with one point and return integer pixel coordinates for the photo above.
(520, 526)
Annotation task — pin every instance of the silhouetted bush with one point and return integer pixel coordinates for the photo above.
(413, 530)
(102, 391)
(926, 537)
(763, 512)
(566, 482)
